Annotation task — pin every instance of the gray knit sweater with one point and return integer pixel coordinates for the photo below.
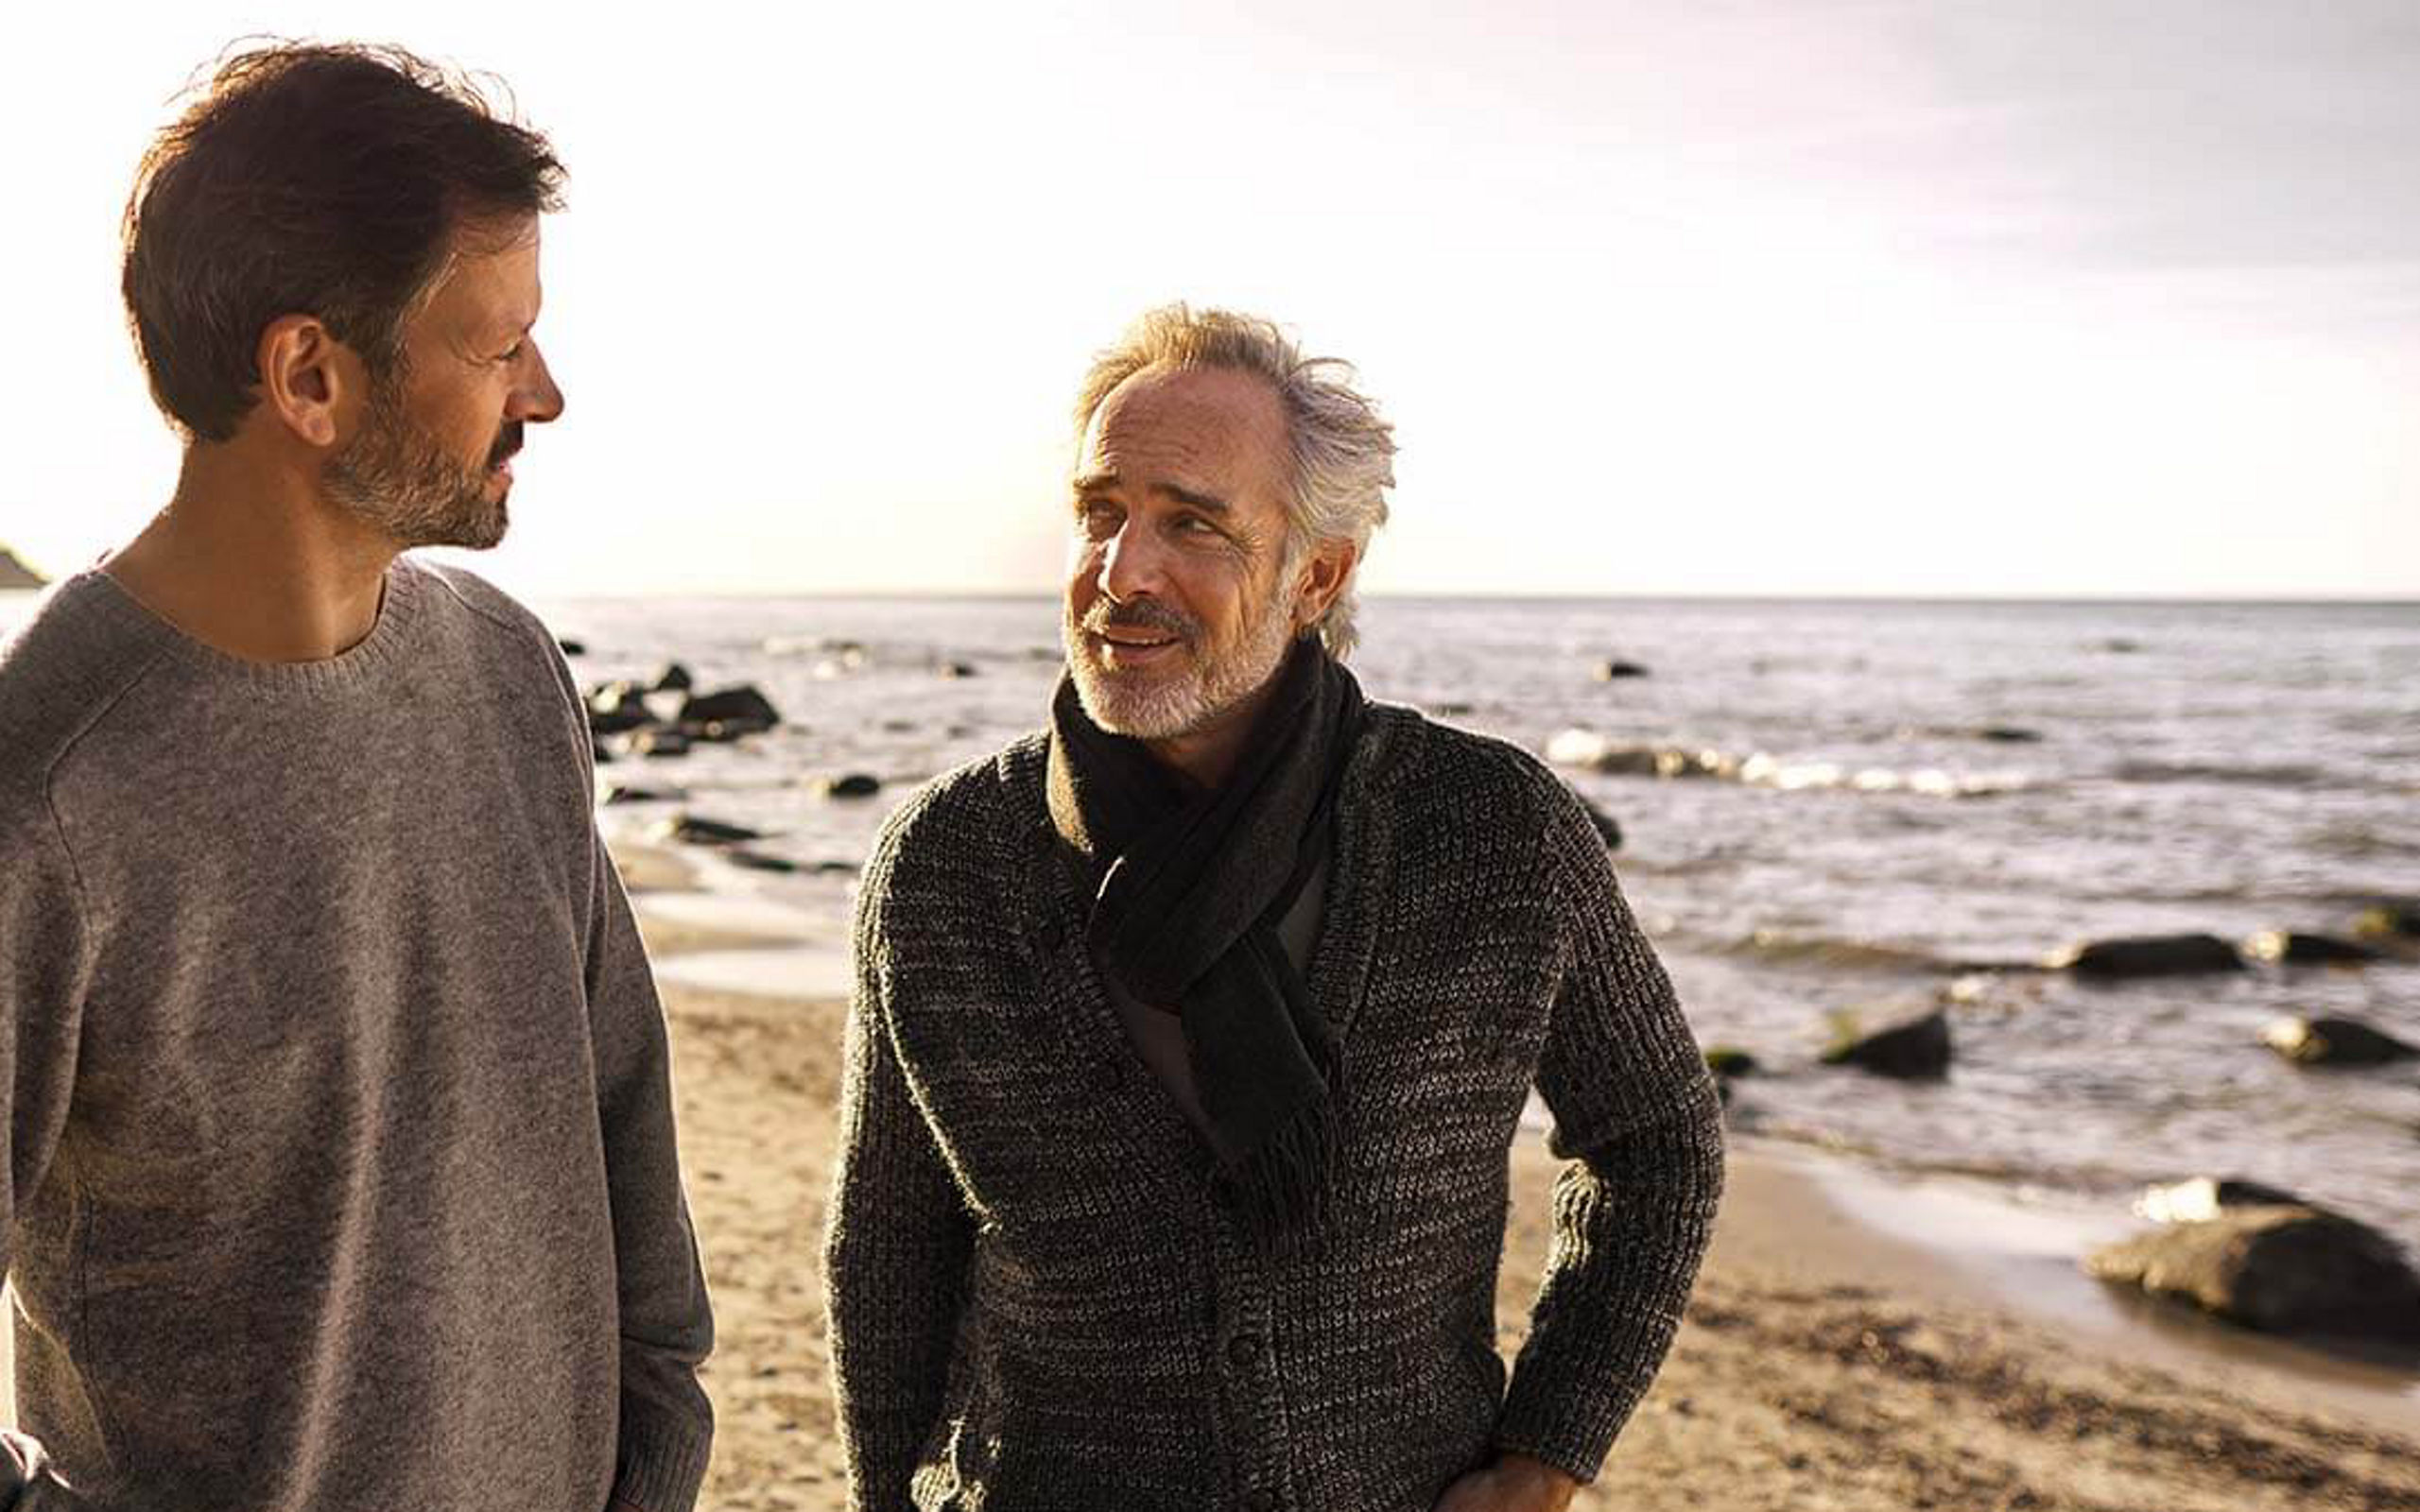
(339, 1169)
(1037, 1302)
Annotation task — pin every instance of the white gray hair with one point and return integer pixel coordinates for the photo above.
(1342, 453)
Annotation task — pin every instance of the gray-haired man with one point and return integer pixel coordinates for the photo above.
(1191, 1034)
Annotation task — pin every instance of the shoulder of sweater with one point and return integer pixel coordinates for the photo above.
(62, 672)
(1456, 776)
(497, 610)
(967, 814)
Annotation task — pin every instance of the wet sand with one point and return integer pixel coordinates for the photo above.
(1855, 1342)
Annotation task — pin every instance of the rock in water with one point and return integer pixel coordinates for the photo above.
(1607, 830)
(2149, 955)
(659, 743)
(696, 830)
(2284, 1269)
(2334, 1042)
(956, 669)
(571, 647)
(2203, 1197)
(1729, 1060)
(856, 785)
(760, 860)
(1609, 671)
(673, 678)
(2288, 948)
(1913, 1051)
(733, 706)
(616, 708)
(2389, 920)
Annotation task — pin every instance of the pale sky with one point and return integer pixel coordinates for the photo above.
(2101, 296)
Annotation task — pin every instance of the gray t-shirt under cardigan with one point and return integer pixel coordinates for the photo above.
(1039, 1302)
(340, 1170)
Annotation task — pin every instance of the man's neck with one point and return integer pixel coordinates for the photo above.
(1207, 756)
(255, 564)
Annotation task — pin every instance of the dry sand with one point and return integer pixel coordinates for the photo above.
(1819, 1367)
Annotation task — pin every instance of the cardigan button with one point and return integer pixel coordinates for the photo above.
(1260, 1502)
(1053, 934)
(1243, 1350)
(1105, 1077)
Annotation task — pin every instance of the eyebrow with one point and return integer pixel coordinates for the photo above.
(1208, 503)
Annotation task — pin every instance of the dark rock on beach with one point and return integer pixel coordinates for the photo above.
(659, 742)
(2335, 1043)
(571, 647)
(760, 860)
(632, 793)
(856, 785)
(1730, 1060)
(617, 708)
(696, 830)
(2284, 1270)
(2291, 948)
(733, 707)
(958, 669)
(1610, 671)
(2149, 955)
(673, 678)
(1914, 1050)
(2008, 735)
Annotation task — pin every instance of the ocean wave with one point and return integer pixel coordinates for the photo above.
(1591, 752)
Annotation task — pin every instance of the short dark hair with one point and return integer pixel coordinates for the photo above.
(323, 180)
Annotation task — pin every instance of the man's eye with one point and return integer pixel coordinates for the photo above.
(1097, 515)
(512, 353)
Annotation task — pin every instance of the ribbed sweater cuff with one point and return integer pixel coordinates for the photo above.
(660, 1471)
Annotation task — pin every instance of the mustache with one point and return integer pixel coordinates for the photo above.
(1138, 614)
(508, 442)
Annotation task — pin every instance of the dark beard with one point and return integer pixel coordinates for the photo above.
(393, 475)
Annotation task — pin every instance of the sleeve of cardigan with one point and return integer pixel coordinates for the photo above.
(897, 1245)
(1636, 1116)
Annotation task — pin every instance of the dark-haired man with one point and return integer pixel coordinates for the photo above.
(1191, 1034)
(341, 1168)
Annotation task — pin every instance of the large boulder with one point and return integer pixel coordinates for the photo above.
(2284, 1270)
(2149, 955)
(2335, 1043)
(1913, 1050)
(2286, 947)
(731, 707)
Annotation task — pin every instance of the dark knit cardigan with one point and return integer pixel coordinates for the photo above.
(1038, 1300)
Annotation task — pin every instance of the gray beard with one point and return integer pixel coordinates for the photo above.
(1181, 705)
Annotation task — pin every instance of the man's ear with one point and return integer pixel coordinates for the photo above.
(1325, 574)
(310, 382)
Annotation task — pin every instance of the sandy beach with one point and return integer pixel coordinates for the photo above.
(1829, 1360)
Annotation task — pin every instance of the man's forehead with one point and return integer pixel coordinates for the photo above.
(490, 278)
(1191, 417)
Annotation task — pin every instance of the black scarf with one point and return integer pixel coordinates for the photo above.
(1188, 891)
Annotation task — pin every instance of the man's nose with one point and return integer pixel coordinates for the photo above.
(1131, 563)
(534, 394)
